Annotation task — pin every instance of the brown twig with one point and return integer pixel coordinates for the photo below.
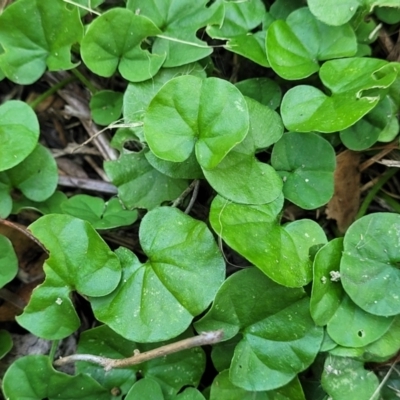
(108, 363)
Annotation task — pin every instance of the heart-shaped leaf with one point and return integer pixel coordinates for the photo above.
(35, 35)
(307, 180)
(295, 46)
(278, 327)
(356, 85)
(33, 377)
(174, 126)
(179, 280)
(19, 133)
(179, 23)
(114, 40)
(106, 106)
(79, 260)
(370, 263)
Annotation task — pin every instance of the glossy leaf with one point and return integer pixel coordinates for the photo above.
(179, 280)
(101, 215)
(254, 232)
(240, 177)
(364, 133)
(264, 90)
(171, 372)
(79, 260)
(369, 266)
(327, 291)
(278, 327)
(33, 377)
(114, 40)
(139, 184)
(179, 23)
(223, 389)
(8, 261)
(35, 35)
(307, 180)
(346, 378)
(106, 106)
(295, 46)
(356, 85)
(173, 127)
(19, 133)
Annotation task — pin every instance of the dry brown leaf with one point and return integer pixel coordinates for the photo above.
(345, 202)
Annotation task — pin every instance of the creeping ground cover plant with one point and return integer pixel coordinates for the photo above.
(199, 199)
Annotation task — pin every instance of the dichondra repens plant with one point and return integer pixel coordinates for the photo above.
(309, 308)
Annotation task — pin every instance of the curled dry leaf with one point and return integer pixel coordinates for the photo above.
(345, 202)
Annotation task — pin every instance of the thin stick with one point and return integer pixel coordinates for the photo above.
(108, 363)
(184, 194)
(87, 184)
(194, 196)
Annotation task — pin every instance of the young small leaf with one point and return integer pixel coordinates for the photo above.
(106, 107)
(8, 261)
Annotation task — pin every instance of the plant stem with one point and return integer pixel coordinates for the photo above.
(390, 201)
(372, 193)
(49, 92)
(54, 346)
(84, 80)
(108, 363)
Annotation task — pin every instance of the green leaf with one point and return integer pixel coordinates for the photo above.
(171, 372)
(79, 260)
(251, 46)
(6, 343)
(36, 176)
(35, 35)
(52, 205)
(106, 106)
(179, 23)
(139, 184)
(33, 377)
(190, 394)
(179, 280)
(388, 14)
(223, 389)
(370, 263)
(307, 180)
(240, 177)
(222, 353)
(239, 18)
(295, 46)
(138, 95)
(345, 378)
(8, 261)
(146, 389)
(101, 214)
(362, 328)
(327, 292)
(173, 127)
(19, 133)
(356, 85)
(281, 9)
(264, 90)
(254, 232)
(114, 40)
(364, 133)
(279, 327)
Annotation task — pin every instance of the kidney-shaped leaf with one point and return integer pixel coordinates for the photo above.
(19, 132)
(179, 280)
(36, 34)
(356, 84)
(33, 377)
(114, 41)
(370, 263)
(79, 260)
(295, 46)
(209, 115)
(275, 323)
(307, 180)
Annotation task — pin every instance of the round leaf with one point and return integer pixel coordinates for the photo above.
(370, 263)
(275, 324)
(307, 180)
(8, 261)
(36, 34)
(114, 40)
(146, 389)
(19, 133)
(179, 280)
(106, 106)
(173, 126)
